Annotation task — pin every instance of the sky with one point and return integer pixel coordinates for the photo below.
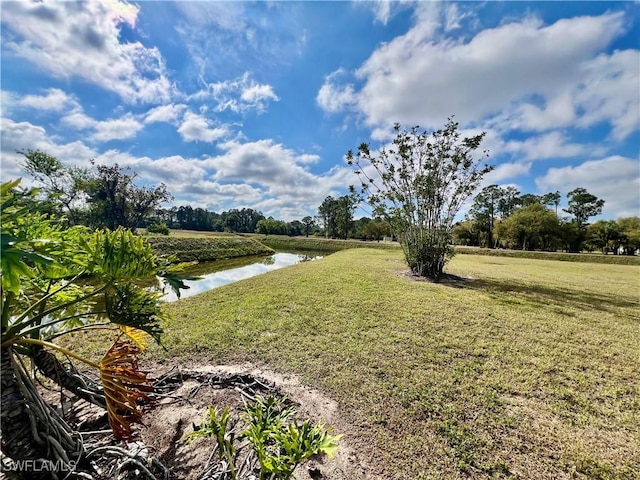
(235, 104)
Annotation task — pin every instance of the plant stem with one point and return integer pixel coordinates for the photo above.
(64, 351)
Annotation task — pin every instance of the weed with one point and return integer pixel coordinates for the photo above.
(273, 443)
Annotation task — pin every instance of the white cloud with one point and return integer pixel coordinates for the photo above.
(550, 145)
(610, 92)
(20, 136)
(384, 10)
(55, 100)
(412, 78)
(281, 171)
(238, 95)
(197, 128)
(615, 179)
(334, 98)
(519, 75)
(121, 128)
(79, 120)
(117, 128)
(83, 40)
(165, 113)
(257, 94)
(506, 171)
(228, 36)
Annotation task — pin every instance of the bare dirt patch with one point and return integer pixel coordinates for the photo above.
(184, 395)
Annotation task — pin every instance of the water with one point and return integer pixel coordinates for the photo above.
(218, 277)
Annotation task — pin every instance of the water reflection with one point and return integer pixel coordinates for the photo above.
(218, 278)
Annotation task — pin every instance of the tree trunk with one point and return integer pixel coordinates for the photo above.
(52, 368)
(31, 429)
(17, 439)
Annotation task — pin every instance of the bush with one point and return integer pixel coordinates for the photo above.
(158, 227)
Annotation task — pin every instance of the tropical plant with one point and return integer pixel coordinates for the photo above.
(55, 281)
(419, 184)
(277, 442)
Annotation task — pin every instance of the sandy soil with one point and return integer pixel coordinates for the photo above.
(182, 404)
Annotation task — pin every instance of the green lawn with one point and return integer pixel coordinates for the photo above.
(529, 368)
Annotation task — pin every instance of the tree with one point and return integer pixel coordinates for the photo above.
(271, 226)
(420, 184)
(583, 205)
(552, 198)
(308, 223)
(328, 216)
(531, 227)
(376, 230)
(115, 201)
(343, 209)
(485, 209)
(605, 235)
(466, 233)
(508, 202)
(528, 199)
(295, 228)
(45, 295)
(630, 228)
(62, 187)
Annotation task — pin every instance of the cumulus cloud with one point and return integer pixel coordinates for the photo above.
(506, 171)
(55, 100)
(550, 145)
(121, 128)
(20, 136)
(197, 128)
(610, 92)
(519, 75)
(165, 113)
(282, 172)
(334, 98)
(238, 95)
(83, 40)
(615, 179)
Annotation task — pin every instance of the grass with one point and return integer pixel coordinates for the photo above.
(527, 369)
(223, 240)
(283, 242)
(206, 247)
(560, 256)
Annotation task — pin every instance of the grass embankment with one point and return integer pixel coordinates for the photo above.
(283, 242)
(529, 369)
(205, 248)
(560, 256)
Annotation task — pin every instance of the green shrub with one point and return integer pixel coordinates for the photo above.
(158, 227)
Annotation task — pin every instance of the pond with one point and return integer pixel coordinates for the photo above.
(222, 272)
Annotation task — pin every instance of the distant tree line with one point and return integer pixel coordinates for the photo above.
(108, 197)
(505, 218)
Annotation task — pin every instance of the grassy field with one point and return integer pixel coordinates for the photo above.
(518, 368)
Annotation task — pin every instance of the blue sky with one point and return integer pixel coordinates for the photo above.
(235, 104)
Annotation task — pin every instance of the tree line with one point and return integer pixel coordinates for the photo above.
(505, 218)
(500, 217)
(108, 197)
